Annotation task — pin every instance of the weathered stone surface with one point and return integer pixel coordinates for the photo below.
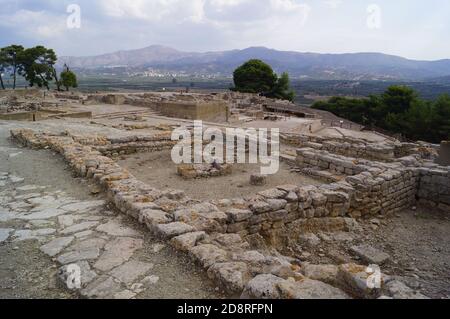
(37, 234)
(238, 215)
(7, 216)
(98, 243)
(204, 208)
(250, 256)
(16, 179)
(342, 237)
(187, 241)
(150, 281)
(83, 206)
(258, 180)
(83, 234)
(79, 255)
(355, 280)
(124, 295)
(217, 216)
(115, 228)
(208, 254)
(318, 199)
(325, 273)
(66, 220)
(130, 271)
(291, 197)
(79, 227)
(54, 247)
(152, 217)
(309, 289)
(276, 204)
(273, 193)
(104, 287)
(228, 240)
(260, 207)
(173, 229)
(28, 188)
(309, 240)
(399, 290)
(263, 286)
(4, 233)
(233, 275)
(117, 252)
(43, 214)
(86, 273)
(370, 254)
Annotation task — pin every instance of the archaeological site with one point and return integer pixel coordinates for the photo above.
(91, 198)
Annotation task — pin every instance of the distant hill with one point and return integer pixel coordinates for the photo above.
(351, 66)
(441, 80)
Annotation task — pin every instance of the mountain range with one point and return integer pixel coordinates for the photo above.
(348, 66)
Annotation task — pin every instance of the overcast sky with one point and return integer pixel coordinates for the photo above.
(417, 29)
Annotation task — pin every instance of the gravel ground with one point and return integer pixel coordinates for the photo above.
(417, 241)
(158, 170)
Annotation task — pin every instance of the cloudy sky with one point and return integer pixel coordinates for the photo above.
(416, 29)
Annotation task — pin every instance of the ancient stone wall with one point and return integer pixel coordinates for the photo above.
(213, 111)
(444, 153)
(211, 233)
(345, 146)
(434, 187)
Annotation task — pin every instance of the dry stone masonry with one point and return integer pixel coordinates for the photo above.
(217, 234)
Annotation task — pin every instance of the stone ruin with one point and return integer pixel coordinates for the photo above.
(444, 155)
(196, 171)
(189, 107)
(362, 180)
(35, 105)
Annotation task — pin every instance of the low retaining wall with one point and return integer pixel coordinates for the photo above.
(382, 188)
(207, 111)
(352, 147)
(434, 187)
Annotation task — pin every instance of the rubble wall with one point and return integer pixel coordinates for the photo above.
(345, 146)
(206, 111)
(434, 187)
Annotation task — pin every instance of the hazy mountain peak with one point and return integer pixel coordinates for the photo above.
(367, 65)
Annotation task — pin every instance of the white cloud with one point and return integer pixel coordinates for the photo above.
(34, 23)
(333, 4)
(155, 10)
(204, 25)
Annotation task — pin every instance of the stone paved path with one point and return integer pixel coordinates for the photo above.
(89, 246)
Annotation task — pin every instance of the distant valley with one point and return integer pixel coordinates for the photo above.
(159, 61)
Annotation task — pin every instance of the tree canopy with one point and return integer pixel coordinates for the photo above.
(10, 58)
(399, 110)
(255, 76)
(36, 65)
(68, 79)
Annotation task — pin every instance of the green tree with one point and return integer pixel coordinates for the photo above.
(258, 77)
(3, 67)
(68, 79)
(11, 57)
(398, 110)
(38, 66)
(282, 89)
(398, 99)
(440, 126)
(254, 76)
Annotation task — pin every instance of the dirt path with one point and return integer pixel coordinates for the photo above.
(48, 218)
